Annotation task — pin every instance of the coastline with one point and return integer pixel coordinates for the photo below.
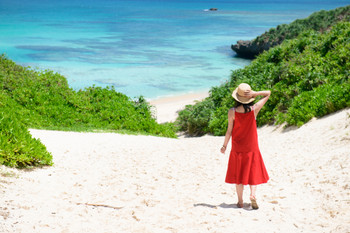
(166, 108)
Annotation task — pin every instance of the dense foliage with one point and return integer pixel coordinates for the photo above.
(318, 21)
(43, 99)
(308, 77)
(17, 147)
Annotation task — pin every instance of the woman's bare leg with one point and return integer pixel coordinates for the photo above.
(252, 197)
(252, 191)
(239, 190)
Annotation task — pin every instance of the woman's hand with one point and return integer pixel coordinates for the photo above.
(223, 149)
(249, 93)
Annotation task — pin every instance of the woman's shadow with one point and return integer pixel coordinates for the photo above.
(246, 206)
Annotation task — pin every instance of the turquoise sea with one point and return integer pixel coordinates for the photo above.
(152, 48)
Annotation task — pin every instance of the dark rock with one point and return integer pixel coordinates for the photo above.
(250, 49)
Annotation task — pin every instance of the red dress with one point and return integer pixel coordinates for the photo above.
(245, 165)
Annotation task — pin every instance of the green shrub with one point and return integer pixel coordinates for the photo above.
(194, 118)
(320, 101)
(17, 147)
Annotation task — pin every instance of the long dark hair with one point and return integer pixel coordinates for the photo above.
(247, 107)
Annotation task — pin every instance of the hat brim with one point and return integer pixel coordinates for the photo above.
(241, 99)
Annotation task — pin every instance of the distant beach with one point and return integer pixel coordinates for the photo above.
(166, 108)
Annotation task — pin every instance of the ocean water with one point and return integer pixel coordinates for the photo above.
(152, 48)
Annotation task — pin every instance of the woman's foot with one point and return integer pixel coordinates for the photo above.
(253, 202)
(240, 204)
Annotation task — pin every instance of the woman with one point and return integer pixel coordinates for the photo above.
(245, 165)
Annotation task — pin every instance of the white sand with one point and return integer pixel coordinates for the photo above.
(104, 182)
(166, 109)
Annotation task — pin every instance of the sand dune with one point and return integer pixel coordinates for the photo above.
(105, 182)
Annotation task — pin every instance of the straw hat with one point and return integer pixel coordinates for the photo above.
(238, 93)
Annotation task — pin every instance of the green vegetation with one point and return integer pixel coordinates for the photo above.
(43, 100)
(18, 148)
(318, 21)
(308, 77)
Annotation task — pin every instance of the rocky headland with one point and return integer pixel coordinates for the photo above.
(250, 48)
(318, 21)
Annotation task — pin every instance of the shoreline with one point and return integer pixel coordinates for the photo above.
(166, 108)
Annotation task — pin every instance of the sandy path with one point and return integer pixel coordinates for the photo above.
(104, 182)
(166, 109)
